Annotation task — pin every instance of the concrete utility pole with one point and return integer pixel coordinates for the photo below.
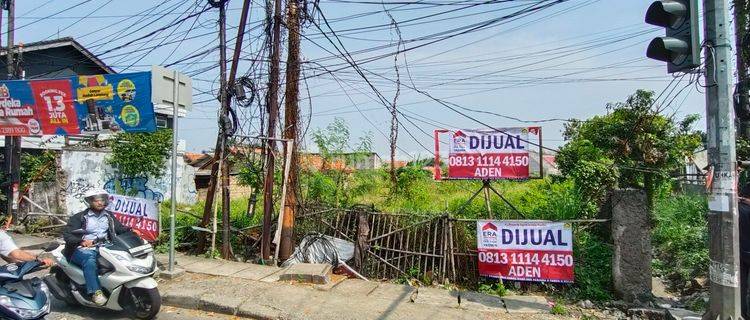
(273, 114)
(12, 144)
(722, 217)
(291, 126)
(742, 39)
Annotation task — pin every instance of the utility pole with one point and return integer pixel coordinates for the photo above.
(273, 113)
(12, 144)
(742, 39)
(226, 244)
(722, 217)
(291, 126)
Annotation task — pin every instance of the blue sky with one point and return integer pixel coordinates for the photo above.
(566, 61)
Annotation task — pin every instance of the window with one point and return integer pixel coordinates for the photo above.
(161, 122)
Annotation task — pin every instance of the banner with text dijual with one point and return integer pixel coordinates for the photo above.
(525, 250)
(137, 213)
(489, 154)
(114, 102)
(77, 105)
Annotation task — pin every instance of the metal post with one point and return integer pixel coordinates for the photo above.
(280, 228)
(175, 116)
(722, 217)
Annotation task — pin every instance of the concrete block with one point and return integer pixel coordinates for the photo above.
(526, 304)
(394, 292)
(203, 266)
(631, 234)
(182, 296)
(228, 268)
(355, 287)
(256, 272)
(682, 314)
(170, 275)
(335, 280)
(481, 302)
(307, 273)
(437, 297)
(227, 295)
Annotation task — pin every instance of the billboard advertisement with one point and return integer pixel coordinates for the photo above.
(525, 250)
(489, 154)
(79, 105)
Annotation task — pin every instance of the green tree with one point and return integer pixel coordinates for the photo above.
(140, 154)
(331, 185)
(633, 146)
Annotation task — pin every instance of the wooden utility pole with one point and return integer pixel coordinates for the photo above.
(273, 114)
(12, 143)
(742, 41)
(226, 236)
(291, 126)
(218, 153)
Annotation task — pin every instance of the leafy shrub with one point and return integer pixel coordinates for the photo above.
(593, 267)
(680, 237)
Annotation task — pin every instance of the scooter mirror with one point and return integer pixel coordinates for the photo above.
(52, 246)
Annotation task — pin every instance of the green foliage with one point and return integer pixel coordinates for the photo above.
(251, 173)
(38, 168)
(680, 238)
(633, 146)
(593, 267)
(140, 154)
(495, 288)
(332, 185)
(559, 309)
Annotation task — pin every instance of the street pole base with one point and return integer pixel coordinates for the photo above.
(170, 275)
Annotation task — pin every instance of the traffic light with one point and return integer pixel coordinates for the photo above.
(681, 46)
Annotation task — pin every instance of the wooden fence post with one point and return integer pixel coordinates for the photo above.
(363, 237)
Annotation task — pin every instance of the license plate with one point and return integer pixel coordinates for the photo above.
(141, 249)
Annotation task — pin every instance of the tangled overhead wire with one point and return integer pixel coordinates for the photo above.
(217, 3)
(228, 123)
(240, 91)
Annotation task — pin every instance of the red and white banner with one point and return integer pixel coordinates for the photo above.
(137, 213)
(525, 250)
(489, 154)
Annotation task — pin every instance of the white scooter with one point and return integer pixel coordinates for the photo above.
(126, 266)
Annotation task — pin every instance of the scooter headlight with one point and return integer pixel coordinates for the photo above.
(5, 301)
(139, 269)
(28, 313)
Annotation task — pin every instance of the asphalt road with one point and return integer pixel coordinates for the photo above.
(60, 311)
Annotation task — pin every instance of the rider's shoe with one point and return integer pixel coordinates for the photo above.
(99, 298)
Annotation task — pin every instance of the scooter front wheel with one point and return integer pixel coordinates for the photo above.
(142, 303)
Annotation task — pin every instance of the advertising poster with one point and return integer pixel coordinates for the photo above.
(79, 105)
(114, 102)
(489, 155)
(137, 213)
(525, 250)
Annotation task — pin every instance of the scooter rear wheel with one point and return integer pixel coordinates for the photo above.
(143, 303)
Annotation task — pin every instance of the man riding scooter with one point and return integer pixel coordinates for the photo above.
(100, 226)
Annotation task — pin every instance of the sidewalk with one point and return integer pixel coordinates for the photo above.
(250, 290)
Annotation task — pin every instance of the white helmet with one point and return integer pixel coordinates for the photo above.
(92, 194)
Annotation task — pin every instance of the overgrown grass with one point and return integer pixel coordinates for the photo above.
(680, 238)
(680, 233)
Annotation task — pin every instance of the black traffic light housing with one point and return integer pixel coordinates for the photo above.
(681, 46)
